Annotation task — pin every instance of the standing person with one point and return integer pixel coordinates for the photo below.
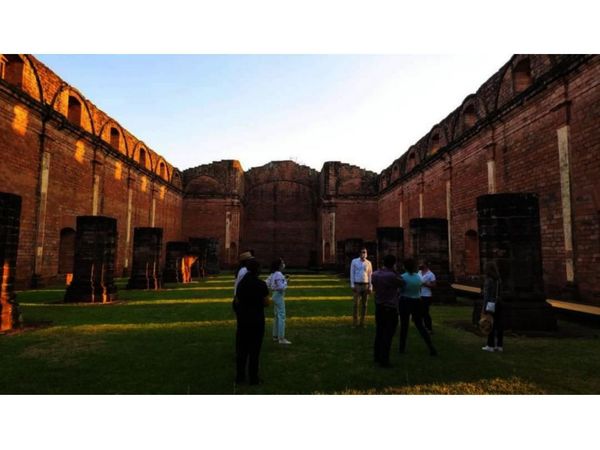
(253, 296)
(360, 282)
(491, 300)
(410, 305)
(429, 281)
(277, 282)
(240, 273)
(386, 283)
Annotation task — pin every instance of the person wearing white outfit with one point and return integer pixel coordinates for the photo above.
(360, 283)
(429, 281)
(278, 283)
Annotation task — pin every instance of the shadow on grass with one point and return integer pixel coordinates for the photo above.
(180, 342)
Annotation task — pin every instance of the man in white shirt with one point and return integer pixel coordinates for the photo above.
(429, 281)
(360, 282)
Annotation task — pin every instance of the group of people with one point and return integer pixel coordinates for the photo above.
(398, 298)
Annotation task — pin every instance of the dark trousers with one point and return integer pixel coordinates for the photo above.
(248, 341)
(386, 321)
(412, 307)
(426, 303)
(497, 329)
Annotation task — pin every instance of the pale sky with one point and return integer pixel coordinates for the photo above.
(195, 109)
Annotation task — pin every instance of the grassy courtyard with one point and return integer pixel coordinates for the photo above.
(181, 341)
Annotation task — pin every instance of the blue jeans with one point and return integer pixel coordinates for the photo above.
(278, 315)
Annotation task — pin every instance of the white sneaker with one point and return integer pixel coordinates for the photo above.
(487, 348)
(499, 349)
(284, 341)
(275, 339)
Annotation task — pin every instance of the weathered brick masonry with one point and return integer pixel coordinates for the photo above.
(531, 128)
(66, 158)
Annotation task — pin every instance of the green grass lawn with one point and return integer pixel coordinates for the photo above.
(181, 341)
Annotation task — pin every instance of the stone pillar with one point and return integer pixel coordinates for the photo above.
(175, 252)
(509, 235)
(207, 251)
(372, 253)
(390, 241)
(10, 215)
(429, 240)
(351, 250)
(145, 268)
(94, 266)
(340, 255)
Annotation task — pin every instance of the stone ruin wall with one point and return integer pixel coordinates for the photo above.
(280, 209)
(212, 206)
(509, 136)
(66, 158)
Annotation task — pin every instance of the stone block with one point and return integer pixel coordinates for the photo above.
(94, 265)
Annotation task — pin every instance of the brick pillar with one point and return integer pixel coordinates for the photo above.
(10, 214)
(145, 268)
(175, 251)
(351, 250)
(207, 251)
(95, 252)
(429, 240)
(390, 241)
(340, 255)
(509, 235)
(372, 253)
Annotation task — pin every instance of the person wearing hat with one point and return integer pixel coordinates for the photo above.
(242, 270)
(240, 273)
(253, 297)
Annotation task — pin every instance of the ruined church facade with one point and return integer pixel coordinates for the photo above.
(531, 128)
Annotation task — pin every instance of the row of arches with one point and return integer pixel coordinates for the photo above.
(77, 110)
(514, 78)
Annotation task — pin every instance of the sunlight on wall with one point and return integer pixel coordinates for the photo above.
(79, 151)
(144, 183)
(163, 191)
(21, 120)
(118, 170)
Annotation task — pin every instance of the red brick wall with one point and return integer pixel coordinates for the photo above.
(517, 129)
(280, 213)
(523, 142)
(75, 155)
(211, 198)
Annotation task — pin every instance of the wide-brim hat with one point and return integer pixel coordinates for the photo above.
(246, 256)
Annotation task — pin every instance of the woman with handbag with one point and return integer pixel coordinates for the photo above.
(493, 306)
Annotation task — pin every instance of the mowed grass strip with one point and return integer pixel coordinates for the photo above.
(181, 341)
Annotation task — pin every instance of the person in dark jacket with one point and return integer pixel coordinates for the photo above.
(386, 282)
(253, 296)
